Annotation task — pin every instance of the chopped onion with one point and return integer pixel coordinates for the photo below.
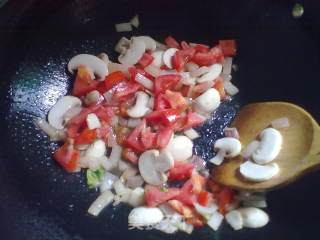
(231, 132)
(226, 77)
(161, 46)
(233, 205)
(123, 121)
(187, 79)
(206, 211)
(166, 226)
(191, 133)
(190, 91)
(92, 97)
(107, 181)
(134, 181)
(115, 155)
(234, 218)
(106, 163)
(135, 21)
(251, 147)
(191, 66)
(129, 172)
(215, 221)
(119, 187)
(123, 27)
(166, 209)
(185, 227)
(72, 112)
(123, 165)
(53, 133)
(144, 81)
(136, 197)
(93, 121)
(112, 138)
(255, 203)
(230, 88)
(101, 202)
(227, 66)
(198, 162)
(280, 123)
(108, 96)
(200, 71)
(82, 147)
(133, 122)
(153, 70)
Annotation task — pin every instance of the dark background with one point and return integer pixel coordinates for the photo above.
(278, 59)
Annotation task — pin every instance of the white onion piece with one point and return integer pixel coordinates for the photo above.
(115, 155)
(119, 187)
(153, 70)
(166, 209)
(214, 72)
(227, 65)
(157, 58)
(107, 181)
(166, 226)
(71, 113)
(249, 150)
(144, 81)
(185, 227)
(92, 97)
(122, 45)
(200, 71)
(134, 53)
(134, 182)
(253, 217)
(108, 96)
(150, 43)
(161, 46)
(167, 56)
(133, 122)
(206, 211)
(215, 221)
(123, 27)
(101, 202)
(230, 88)
(112, 138)
(97, 149)
(190, 91)
(191, 66)
(129, 172)
(53, 133)
(93, 121)
(191, 133)
(136, 197)
(151, 103)
(231, 132)
(123, 165)
(280, 123)
(187, 79)
(226, 77)
(82, 147)
(234, 218)
(135, 21)
(198, 162)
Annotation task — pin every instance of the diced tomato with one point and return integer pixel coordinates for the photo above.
(78, 122)
(203, 198)
(198, 183)
(164, 137)
(186, 195)
(228, 47)
(201, 88)
(130, 155)
(110, 81)
(171, 42)
(87, 136)
(104, 113)
(187, 53)
(178, 61)
(145, 60)
(166, 117)
(104, 131)
(193, 119)
(180, 171)
(185, 90)
(133, 72)
(154, 196)
(161, 102)
(125, 88)
(225, 197)
(184, 45)
(200, 48)
(197, 220)
(148, 138)
(133, 140)
(166, 82)
(205, 59)
(176, 100)
(67, 156)
(219, 86)
(83, 83)
(181, 208)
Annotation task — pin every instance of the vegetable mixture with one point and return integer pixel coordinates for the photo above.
(130, 125)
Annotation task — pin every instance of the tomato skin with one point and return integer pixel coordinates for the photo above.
(178, 61)
(166, 117)
(180, 171)
(154, 197)
(125, 89)
(200, 48)
(166, 82)
(171, 42)
(134, 71)
(228, 47)
(110, 81)
(87, 136)
(225, 197)
(215, 55)
(83, 82)
(203, 198)
(198, 183)
(67, 156)
(133, 139)
(145, 60)
(193, 119)
(176, 100)
(164, 137)
(148, 138)
(219, 86)
(161, 102)
(181, 208)
(129, 155)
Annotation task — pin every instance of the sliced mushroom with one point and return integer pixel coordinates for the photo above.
(167, 56)
(104, 57)
(133, 53)
(208, 101)
(148, 41)
(269, 147)
(62, 106)
(235, 219)
(180, 147)
(93, 63)
(253, 217)
(212, 74)
(140, 108)
(258, 173)
(231, 146)
(122, 46)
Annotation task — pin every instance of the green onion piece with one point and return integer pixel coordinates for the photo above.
(94, 177)
(297, 10)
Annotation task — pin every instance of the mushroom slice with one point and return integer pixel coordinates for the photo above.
(253, 217)
(147, 167)
(235, 219)
(93, 63)
(140, 108)
(134, 53)
(62, 106)
(258, 173)
(180, 147)
(208, 101)
(231, 146)
(148, 41)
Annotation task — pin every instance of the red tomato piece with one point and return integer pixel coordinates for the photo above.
(228, 47)
(154, 196)
(166, 82)
(67, 156)
(83, 83)
(164, 137)
(166, 117)
(134, 71)
(161, 102)
(201, 88)
(104, 113)
(180, 171)
(178, 61)
(104, 131)
(171, 42)
(200, 48)
(129, 155)
(176, 100)
(219, 86)
(193, 120)
(181, 208)
(197, 220)
(203, 198)
(133, 140)
(110, 81)
(225, 197)
(205, 59)
(87, 136)
(184, 45)
(148, 138)
(124, 89)
(198, 183)
(186, 195)
(145, 60)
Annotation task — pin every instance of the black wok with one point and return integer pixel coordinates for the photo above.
(278, 59)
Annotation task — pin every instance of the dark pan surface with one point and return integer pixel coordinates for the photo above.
(278, 59)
